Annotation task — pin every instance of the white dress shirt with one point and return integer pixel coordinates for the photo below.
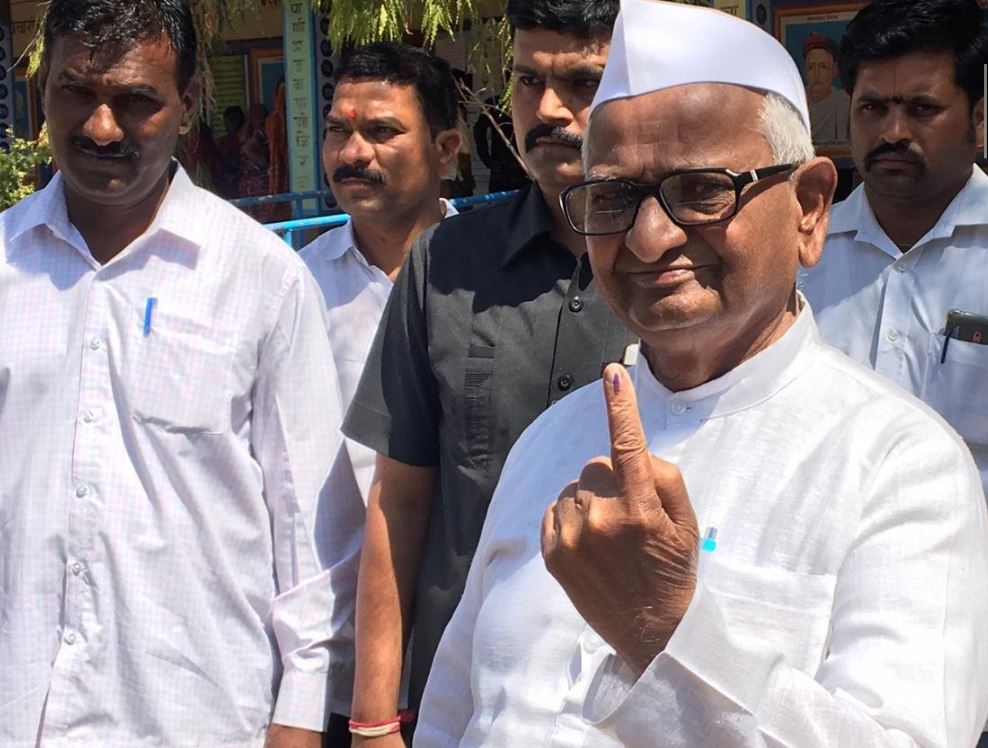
(887, 309)
(844, 605)
(159, 581)
(355, 293)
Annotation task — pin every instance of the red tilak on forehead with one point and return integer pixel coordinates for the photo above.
(352, 114)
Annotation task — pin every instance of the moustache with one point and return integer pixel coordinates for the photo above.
(357, 172)
(557, 134)
(118, 150)
(900, 149)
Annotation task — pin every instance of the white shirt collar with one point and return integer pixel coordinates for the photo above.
(180, 213)
(345, 242)
(966, 209)
(746, 385)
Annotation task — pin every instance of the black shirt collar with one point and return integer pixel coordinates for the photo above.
(530, 220)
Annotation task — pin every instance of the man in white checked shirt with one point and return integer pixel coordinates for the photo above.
(168, 416)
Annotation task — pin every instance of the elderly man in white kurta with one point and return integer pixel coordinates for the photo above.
(777, 548)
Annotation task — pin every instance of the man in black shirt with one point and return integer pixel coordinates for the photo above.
(492, 319)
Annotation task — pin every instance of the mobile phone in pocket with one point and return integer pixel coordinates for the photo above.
(967, 326)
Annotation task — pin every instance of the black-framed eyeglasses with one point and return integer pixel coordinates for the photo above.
(690, 197)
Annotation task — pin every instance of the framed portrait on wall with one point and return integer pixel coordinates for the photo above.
(812, 34)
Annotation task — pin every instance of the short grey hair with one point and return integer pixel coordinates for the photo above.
(785, 132)
(779, 122)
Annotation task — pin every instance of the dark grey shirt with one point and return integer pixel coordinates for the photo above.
(490, 322)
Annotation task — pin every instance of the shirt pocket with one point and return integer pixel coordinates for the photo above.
(957, 388)
(789, 611)
(477, 388)
(179, 376)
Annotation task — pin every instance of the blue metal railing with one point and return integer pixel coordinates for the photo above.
(289, 229)
(295, 198)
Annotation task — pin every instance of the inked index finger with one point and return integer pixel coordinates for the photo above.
(630, 457)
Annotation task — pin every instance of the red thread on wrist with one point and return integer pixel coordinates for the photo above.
(404, 717)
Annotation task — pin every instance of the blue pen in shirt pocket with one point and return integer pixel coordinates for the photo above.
(149, 314)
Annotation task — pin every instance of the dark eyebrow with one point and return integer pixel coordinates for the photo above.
(920, 98)
(136, 88)
(144, 90)
(584, 70)
(382, 121)
(385, 121)
(71, 77)
(578, 70)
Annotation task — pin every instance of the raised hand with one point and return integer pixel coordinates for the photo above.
(622, 539)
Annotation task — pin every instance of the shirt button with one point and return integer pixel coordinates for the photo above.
(892, 335)
(95, 344)
(564, 382)
(76, 568)
(89, 416)
(70, 639)
(575, 304)
(678, 409)
(900, 267)
(82, 491)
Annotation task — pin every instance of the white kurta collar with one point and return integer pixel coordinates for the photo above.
(746, 385)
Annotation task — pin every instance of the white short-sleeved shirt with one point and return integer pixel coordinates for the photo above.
(355, 293)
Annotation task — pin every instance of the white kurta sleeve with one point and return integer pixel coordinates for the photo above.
(447, 703)
(906, 656)
(295, 438)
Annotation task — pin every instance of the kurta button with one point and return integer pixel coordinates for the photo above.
(564, 382)
(678, 409)
(575, 304)
(95, 344)
(77, 568)
(89, 416)
(70, 639)
(892, 335)
(899, 267)
(82, 491)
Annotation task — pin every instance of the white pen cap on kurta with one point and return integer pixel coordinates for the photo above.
(659, 45)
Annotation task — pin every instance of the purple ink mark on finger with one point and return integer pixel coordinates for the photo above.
(616, 382)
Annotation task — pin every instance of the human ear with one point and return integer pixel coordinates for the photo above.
(815, 182)
(190, 105)
(447, 147)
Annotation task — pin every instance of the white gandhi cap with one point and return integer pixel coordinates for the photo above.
(659, 45)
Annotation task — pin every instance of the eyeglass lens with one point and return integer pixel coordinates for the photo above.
(609, 207)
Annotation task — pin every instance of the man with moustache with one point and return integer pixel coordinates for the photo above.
(391, 134)
(492, 319)
(747, 539)
(910, 243)
(169, 412)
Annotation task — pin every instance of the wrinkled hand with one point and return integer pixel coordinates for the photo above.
(280, 736)
(622, 541)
